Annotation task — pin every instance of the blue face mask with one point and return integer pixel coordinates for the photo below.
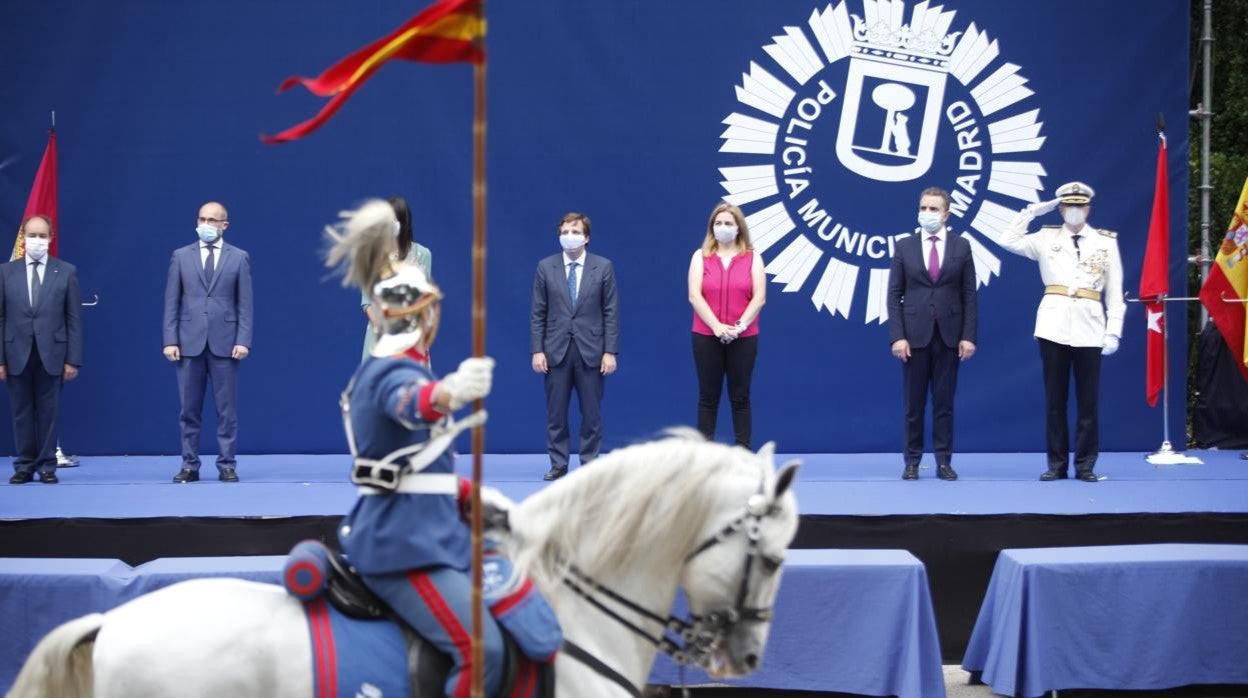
(207, 233)
(929, 221)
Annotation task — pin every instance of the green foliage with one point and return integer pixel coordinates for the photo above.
(1228, 143)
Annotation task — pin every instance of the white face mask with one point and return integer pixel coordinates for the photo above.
(37, 248)
(725, 233)
(571, 241)
(929, 221)
(1075, 215)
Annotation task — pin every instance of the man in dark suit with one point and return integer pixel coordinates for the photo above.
(574, 337)
(41, 332)
(207, 331)
(932, 314)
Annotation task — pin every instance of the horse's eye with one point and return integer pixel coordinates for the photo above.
(771, 563)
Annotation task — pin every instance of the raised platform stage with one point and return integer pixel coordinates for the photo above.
(127, 508)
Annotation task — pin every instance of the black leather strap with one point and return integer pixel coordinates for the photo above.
(579, 653)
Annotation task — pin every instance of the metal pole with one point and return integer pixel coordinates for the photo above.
(1205, 115)
(1166, 448)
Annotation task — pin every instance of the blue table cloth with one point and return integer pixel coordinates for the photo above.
(38, 594)
(854, 621)
(1131, 617)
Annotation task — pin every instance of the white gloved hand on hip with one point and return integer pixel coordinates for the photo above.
(471, 381)
(1110, 345)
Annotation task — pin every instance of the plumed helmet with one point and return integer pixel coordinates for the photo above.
(406, 311)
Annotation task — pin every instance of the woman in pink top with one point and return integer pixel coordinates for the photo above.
(727, 289)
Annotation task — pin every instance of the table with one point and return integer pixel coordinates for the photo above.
(1130, 617)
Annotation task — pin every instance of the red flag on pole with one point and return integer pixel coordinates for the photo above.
(1155, 278)
(443, 33)
(42, 200)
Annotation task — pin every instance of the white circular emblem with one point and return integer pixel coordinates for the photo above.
(854, 115)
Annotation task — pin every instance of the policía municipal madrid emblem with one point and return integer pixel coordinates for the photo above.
(852, 115)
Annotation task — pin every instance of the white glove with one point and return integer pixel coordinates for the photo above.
(1110, 345)
(470, 382)
(1041, 208)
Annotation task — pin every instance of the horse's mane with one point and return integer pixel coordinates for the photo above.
(650, 499)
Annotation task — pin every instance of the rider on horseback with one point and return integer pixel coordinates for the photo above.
(405, 534)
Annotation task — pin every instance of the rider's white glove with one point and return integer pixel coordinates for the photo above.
(1041, 208)
(470, 382)
(1110, 345)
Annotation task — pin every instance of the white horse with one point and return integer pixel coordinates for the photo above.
(609, 546)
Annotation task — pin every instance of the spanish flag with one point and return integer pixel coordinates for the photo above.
(1228, 281)
(445, 32)
(42, 200)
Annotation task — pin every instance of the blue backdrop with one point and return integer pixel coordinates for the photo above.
(642, 114)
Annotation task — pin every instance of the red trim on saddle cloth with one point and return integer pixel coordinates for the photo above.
(323, 650)
(450, 623)
(425, 403)
(505, 604)
(526, 679)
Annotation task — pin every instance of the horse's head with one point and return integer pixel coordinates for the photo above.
(732, 576)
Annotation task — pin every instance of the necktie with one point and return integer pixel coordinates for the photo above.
(933, 260)
(572, 281)
(35, 284)
(1075, 239)
(209, 266)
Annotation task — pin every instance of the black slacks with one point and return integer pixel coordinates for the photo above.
(1060, 361)
(714, 360)
(934, 369)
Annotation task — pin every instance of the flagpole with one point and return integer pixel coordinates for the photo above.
(1167, 450)
(478, 349)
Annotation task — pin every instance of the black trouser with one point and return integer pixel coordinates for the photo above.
(1059, 360)
(713, 360)
(935, 368)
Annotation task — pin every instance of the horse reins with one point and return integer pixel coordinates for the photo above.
(700, 632)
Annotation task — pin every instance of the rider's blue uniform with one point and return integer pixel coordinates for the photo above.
(414, 550)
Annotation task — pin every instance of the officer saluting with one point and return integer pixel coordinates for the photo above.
(1078, 321)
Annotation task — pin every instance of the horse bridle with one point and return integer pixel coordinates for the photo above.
(701, 632)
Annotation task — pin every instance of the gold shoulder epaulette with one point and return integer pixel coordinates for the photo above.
(1107, 233)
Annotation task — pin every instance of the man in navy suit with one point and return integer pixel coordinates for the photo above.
(207, 331)
(41, 332)
(574, 336)
(932, 314)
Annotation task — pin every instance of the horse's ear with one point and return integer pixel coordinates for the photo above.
(768, 451)
(787, 472)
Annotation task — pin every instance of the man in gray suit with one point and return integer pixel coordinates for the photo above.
(574, 336)
(932, 317)
(207, 331)
(41, 332)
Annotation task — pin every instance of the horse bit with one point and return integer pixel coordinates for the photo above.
(701, 632)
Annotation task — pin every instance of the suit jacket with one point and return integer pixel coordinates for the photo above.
(200, 314)
(594, 323)
(916, 304)
(54, 325)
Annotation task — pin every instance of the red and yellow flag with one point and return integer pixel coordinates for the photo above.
(42, 200)
(1228, 280)
(443, 33)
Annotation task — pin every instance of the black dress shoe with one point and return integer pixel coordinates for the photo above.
(946, 472)
(555, 474)
(1086, 475)
(1053, 474)
(186, 475)
(49, 478)
(910, 473)
(21, 478)
(228, 475)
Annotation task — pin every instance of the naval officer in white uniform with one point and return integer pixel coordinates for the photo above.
(1079, 319)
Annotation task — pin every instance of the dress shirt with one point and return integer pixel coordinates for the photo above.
(216, 254)
(940, 234)
(580, 268)
(30, 275)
